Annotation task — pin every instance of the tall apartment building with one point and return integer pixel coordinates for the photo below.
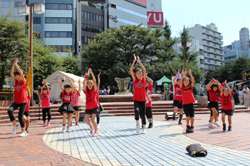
(7, 5)
(124, 12)
(244, 39)
(210, 41)
(57, 26)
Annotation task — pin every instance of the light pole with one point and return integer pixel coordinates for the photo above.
(184, 44)
(38, 8)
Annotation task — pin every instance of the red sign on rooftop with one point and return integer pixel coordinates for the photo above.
(155, 18)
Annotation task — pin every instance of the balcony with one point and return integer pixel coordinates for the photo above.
(221, 37)
(201, 57)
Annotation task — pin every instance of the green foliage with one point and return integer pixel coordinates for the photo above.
(71, 65)
(13, 44)
(232, 70)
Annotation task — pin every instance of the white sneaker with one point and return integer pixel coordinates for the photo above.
(137, 129)
(217, 124)
(15, 129)
(68, 129)
(144, 131)
(23, 134)
(98, 126)
(211, 125)
(64, 129)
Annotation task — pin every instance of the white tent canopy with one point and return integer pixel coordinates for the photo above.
(55, 80)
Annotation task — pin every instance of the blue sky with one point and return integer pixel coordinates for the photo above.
(228, 15)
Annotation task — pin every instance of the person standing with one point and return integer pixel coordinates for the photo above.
(20, 99)
(149, 112)
(236, 96)
(166, 91)
(246, 95)
(76, 93)
(45, 96)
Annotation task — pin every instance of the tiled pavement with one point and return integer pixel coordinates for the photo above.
(118, 144)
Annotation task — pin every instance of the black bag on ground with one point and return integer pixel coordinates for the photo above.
(196, 150)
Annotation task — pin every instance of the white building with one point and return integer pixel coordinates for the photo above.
(126, 12)
(154, 5)
(210, 44)
(244, 39)
(7, 5)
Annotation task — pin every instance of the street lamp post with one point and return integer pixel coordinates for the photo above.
(38, 8)
(184, 44)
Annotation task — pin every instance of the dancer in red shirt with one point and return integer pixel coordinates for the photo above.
(90, 88)
(20, 99)
(187, 86)
(26, 115)
(45, 97)
(139, 82)
(66, 108)
(214, 94)
(76, 93)
(226, 105)
(177, 97)
(149, 113)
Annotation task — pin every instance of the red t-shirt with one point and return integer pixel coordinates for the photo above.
(66, 97)
(45, 100)
(226, 102)
(214, 96)
(187, 95)
(28, 105)
(139, 90)
(149, 96)
(97, 95)
(177, 92)
(20, 92)
(91, 101)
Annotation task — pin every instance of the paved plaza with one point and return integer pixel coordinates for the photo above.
(118, 144)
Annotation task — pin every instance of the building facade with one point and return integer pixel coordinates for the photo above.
(244, 39)
(57, 26)
(7, 5)
(210, 41)
(154, 5)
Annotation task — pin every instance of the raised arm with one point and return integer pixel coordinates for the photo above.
(217, 82)
(183, 76)
(45, 82)
(151, 81)
(80, 88)
(210, 84)
(175, 77)
(99, 81)
(71, 83)
(28, 89)
(21, 73)
(143, 68)
(42, 87)
(221, 88)
(94, 80)
(192, 77)
(132, 68)
(61, 85)
(84, 82)
(228, 87)
(12, 70)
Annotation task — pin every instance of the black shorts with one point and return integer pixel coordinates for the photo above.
(76, 108)
(178, 104)
(67, 107)
(93, 111)
(227, 112)
(26, 113)
(213, 104)
(189, 110)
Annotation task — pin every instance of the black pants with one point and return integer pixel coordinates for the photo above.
(149, 114)
(140, 110)
(13, 107)
(46, 110)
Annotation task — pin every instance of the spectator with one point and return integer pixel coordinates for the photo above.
(104, 91)
(241, 96)
(112, 90)
(235, 96)
(108, 90)
(166, 91)
(246, 95)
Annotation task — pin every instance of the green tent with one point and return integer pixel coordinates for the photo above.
(164, 79)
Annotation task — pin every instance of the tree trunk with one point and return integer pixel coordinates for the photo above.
(2, 78)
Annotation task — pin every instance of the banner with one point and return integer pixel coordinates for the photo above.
(155, 18)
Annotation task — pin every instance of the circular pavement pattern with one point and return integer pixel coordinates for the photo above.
(164, 144)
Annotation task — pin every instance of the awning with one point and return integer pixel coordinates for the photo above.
(242, 82)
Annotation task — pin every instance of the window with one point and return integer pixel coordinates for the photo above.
(63, 20)
(7, 4)
(18, 3)
(82, 14)
(113, 6)
(58, 20)
(61, 48)
(57, 6)
(55, 34)
(37, 35)
(100, 18)
(88, 15)
(36, 20)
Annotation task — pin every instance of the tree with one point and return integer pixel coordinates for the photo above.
(14, 43)
(191, 56)
(71, 65)
(167, 53)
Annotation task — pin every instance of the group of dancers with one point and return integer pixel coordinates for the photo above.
(143, 85)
